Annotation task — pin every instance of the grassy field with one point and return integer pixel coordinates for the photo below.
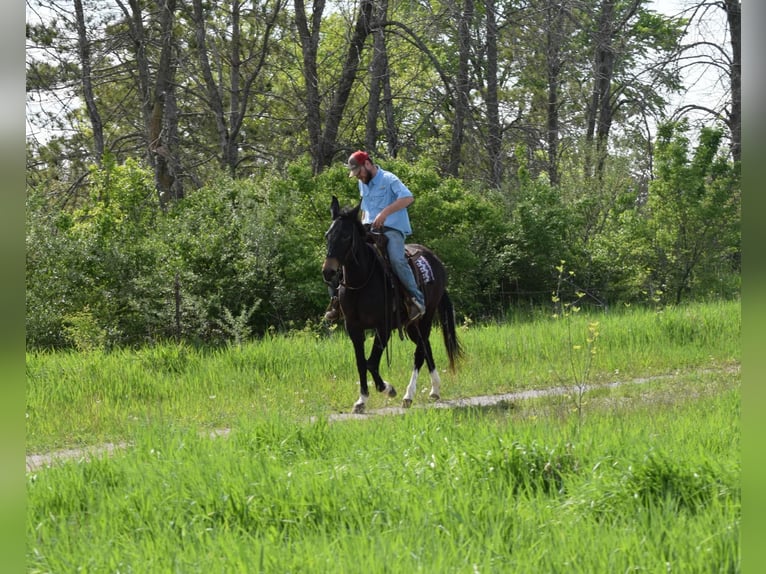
(641, 477)
(76, 399)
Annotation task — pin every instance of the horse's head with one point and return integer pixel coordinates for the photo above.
(343, 237)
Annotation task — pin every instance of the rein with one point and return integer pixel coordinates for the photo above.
(388, 319)
(357, 257)
(363, 285)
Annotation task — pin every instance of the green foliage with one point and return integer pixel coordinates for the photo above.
(540, 236)
(241, 257)
(231, 259)
(84, 332)
(101, 257)
(223, 253)
(693, 216)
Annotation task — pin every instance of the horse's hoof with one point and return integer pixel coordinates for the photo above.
(434, 397)
(358, 409)
(388, 389)
(406, 403)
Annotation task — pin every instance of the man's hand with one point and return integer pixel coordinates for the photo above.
(379, 221)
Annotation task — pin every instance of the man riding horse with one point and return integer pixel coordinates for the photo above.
(385, 200)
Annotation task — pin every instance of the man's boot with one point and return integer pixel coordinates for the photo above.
(417, 310)
(333, 311)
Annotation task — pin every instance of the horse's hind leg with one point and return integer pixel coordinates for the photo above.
(435, 379)
(409, 394)
(436, 384)
(422, 354)
(419, 334)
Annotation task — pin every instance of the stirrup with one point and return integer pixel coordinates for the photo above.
(332, 314)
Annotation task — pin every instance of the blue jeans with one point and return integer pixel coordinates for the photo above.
(400, 265)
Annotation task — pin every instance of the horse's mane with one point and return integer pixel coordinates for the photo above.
(347, 211)
(352, 212)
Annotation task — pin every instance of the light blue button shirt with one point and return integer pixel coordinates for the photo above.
(383, 190)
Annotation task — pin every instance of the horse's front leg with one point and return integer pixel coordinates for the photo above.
(373, 363)
(357, 338)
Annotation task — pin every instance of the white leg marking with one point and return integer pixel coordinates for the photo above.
(409, 394)
(360, 404)
(436, 385)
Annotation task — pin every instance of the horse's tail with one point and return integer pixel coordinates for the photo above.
(447, 317)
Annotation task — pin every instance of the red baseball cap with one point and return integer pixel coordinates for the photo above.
(356, 161)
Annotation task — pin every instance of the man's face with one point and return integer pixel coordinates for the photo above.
(364, 174)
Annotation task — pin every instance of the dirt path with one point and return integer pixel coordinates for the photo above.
(37, 462)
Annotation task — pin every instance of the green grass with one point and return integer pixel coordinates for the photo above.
(638, 477)
(76, 399)
(641, 486)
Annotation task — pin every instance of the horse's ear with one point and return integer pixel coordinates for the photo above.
(355, 212)
(334, 207)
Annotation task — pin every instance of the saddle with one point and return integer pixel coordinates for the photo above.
(420, 266)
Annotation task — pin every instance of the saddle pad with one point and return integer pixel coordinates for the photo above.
(424, 269)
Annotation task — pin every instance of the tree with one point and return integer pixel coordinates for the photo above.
(693, 212)
(734, 118)
(323, 139)
(87, 82)
(380, 87)
(240, 54)
(599, 111)
(157, 95)
(462, 87)
(494, 128)
(711, 61)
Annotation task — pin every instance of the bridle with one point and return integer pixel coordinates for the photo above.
(351, 250)
(366, 281)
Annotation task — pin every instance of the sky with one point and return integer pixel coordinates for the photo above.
(705, 84)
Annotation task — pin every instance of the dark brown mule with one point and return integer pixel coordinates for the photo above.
(368, 301)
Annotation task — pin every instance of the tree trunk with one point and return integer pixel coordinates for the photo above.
(602, 79)
(328, 142)
(309, 39)
(378, 69)
(600, 110)
(553, 64)
(164, 95)
(734, 17)
(323, 142)
(494, 130)
(87, 83)
(228, 122)
(138, 35)
(392, 133)
(159, 146)
(380, 87)
(462, 89)
(213, 92)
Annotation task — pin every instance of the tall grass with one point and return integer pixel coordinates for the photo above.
(635, 478)
(641, 486)
(91, 397)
